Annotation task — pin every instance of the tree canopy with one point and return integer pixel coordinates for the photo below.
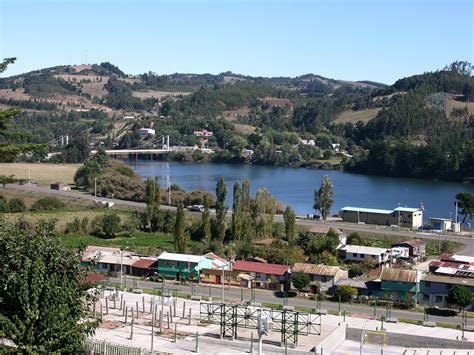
(43, 295)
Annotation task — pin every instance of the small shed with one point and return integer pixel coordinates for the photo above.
(60, 186)
(441, 224)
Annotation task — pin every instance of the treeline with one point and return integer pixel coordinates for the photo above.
(29, 104)
(120, 97)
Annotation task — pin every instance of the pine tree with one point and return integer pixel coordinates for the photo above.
(323, 197)
(180, 236)
(237, 213)
(206, 222)
(221, 209)
(290, 224)
(246, 211)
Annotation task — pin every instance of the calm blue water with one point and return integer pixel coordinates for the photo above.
(295, 186)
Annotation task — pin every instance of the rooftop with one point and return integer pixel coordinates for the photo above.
(368, 210)
(262, 268)
(413, 242)
(314, 269)
(400, 275)
(360, 249)
(462, 259)
(144, 263)
(180, 257)
(448, 280)
(407, 209)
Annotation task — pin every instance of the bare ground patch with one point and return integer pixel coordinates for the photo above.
(158, 94)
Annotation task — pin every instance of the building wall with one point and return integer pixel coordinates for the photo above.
(362, 257)
(399, 289)
(435, 293)
(407, 219)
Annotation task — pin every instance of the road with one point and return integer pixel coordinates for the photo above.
(265, 296)
(384, 231)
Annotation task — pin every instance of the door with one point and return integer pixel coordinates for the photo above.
(218, 279)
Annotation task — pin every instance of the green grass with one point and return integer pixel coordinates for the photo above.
(448, 325)
(143, 243)
(410, 321)
(354, 116)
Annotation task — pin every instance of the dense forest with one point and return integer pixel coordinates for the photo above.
(421, 126)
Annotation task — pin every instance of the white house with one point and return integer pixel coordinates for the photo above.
(144, 132)
(203, 133)
(361, 253)
(310, 142)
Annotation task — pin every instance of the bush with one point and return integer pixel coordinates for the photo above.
(16, 205)
(73, 227)
(110, 225)
(49, 203)
(4, 205)
(346, 292)
(24, 225)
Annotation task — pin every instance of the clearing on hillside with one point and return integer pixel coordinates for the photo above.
(354, 116)
(158, 94)
(43, 174)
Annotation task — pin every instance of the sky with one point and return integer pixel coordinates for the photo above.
(378, 40)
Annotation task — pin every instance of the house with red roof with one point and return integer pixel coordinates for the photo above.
(264, 275)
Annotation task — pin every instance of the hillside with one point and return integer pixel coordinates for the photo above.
(270, 117)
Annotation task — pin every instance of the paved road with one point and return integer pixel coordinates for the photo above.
(264, 296)
(467, 241)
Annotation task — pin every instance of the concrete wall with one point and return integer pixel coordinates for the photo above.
(414, 341)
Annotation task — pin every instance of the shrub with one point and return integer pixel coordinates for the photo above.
(4, 205)
(16, 205)
(85, 224)
(346, 292)
(24, 225)
(73, 227)
(49, 203)
(110, 225)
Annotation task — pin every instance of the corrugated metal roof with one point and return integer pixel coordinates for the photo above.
(180, 257)
(448, 280)
(262, 268)
(368, 210)
(117, 260)
(361, 249)
(361, 284)
(400, 275)
(413, 242)
(144, 263)
(314, 269)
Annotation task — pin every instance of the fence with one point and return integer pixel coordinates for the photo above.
(105, 348)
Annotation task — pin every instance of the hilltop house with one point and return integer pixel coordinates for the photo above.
(323, 277)
(416, 248)
(360, 253)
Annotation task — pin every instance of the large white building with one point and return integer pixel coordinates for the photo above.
(361, 253)
(400, 216)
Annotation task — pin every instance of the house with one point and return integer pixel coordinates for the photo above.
(452, 269)
(60, 186)
(434, 289)
(203, 133)
(271, 101)
(416, 247)
(458, 259)
(440, 224)
(362, 253)
(323, 277)
(364, 287)
(264, 275)
(145, 132)
(144, 267)
(400, 216)
(399, 283)
(324, 230)
(179, 266)
(336, 147)
(309, 142)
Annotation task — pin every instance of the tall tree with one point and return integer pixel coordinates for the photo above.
(461, 296)
(323, 197)
(8, 150)
(153, 201)
(237, 213)
(44, 299)
(264, 213)
(206, 221)
(221, 209)
(465, 204)
(180, 236)
(246, 211)
(290, 223)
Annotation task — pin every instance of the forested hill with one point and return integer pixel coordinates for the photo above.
(421, 126)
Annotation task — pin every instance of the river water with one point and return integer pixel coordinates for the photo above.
(295, 186)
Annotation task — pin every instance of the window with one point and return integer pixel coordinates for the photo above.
(426, 297)
(257, 275)
(354, 255)
(439, 298)
(324, 278)
(362, 256)
(427, 283)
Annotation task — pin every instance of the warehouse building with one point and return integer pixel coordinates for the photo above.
(400, 216)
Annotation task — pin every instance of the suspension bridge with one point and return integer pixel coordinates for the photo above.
(160, 145)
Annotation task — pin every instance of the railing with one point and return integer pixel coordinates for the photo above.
(105, 348)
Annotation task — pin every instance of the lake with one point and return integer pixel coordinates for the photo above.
(295, 186)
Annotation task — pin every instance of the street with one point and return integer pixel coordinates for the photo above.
(265, 296)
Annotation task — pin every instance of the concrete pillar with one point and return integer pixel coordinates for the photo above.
(126, 314)
(184, 308)
(106, 305)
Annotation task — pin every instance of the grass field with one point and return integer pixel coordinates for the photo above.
(43, 174)
(354, 116)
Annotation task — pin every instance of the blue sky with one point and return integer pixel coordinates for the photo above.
(379, 40)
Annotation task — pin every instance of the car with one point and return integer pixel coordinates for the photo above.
(196, 208)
